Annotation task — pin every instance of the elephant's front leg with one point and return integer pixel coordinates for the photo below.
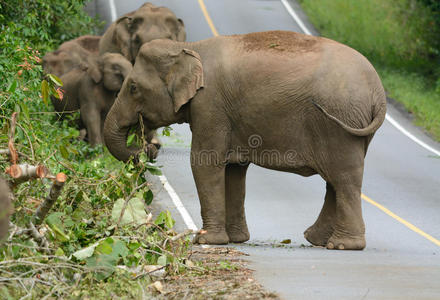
(209, 176)
(236, 226)
(92, 119)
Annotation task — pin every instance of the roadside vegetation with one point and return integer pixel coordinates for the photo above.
(402, 40)
(99, 239)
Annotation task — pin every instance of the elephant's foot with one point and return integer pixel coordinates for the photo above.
(237, 233)
(211, 237)
(344, 242)
(318, 235)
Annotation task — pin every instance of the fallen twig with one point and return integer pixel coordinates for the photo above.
(39, 238)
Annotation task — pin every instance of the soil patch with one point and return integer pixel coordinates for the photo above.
(226, 276)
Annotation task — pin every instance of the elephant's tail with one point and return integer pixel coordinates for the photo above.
(379, 117)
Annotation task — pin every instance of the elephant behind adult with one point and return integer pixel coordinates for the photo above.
(278, 99)
(92, 89)
(128, 33)
(71, 54)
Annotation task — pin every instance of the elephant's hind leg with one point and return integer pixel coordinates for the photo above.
(319, 233)
(348, 225)
(235, 181)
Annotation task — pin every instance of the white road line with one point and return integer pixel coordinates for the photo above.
(174, 197)
(295, 17)
(393, 122)
(112, 5)
(178, 203)
(405, 132)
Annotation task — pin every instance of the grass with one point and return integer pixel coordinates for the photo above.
(414, 92)
(400, 38)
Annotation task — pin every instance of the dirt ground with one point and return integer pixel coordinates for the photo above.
(225, 276)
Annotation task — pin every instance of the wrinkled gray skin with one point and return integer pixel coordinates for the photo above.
(308, 106)
(71, 54)
(127, 34)
(5, 207)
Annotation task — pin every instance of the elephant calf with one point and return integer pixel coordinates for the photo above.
(93, 90)
(278, 99)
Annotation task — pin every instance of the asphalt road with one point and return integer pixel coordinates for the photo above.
(398, 263)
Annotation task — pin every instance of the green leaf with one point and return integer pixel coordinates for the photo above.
(59, 233)
(105, 261)
(162, 260)
(130, 139)
(165, 219)
(12, 86)
(148, 196)
(166, 131)
(54, 92)
(85, 252)
(119, 249)
(59, 252)
(64, 152)
(134, 212)
(45, 91)
(55, 79)
(105, 247)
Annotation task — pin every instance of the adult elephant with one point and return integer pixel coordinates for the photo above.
(127, 34)
(281, 100)
(71, 54)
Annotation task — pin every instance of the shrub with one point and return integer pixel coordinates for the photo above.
(401, 33)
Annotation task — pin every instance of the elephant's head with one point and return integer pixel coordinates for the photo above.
(146, 24)
(111, 69)
(71, 54)
(165, 77)
(59, 62)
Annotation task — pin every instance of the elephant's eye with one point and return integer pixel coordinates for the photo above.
(133, 88)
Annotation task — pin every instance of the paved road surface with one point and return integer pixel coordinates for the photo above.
(398, 262)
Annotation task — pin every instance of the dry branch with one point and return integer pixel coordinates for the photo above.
(39, 238)
(47, 204)
(12, 150)
(25, 172)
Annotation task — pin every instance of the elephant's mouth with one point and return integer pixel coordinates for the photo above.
(117, 134)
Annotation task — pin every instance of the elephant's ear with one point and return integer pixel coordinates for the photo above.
(121, 35)
(181, 33)
(94, 69)
(185, 77)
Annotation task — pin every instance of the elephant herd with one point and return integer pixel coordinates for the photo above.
(278, 99)
(93, 68)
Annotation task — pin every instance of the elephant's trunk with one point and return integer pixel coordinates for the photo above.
(115, 133)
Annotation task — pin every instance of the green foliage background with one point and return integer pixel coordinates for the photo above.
(82, 217)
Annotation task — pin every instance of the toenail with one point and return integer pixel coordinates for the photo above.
(341, 247)
(330, 245)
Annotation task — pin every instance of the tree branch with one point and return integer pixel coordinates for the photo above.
(50, 200)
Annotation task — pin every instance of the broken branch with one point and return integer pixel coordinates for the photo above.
(47, 204)
(12, 150)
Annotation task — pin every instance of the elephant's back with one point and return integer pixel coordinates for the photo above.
(279, 42)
